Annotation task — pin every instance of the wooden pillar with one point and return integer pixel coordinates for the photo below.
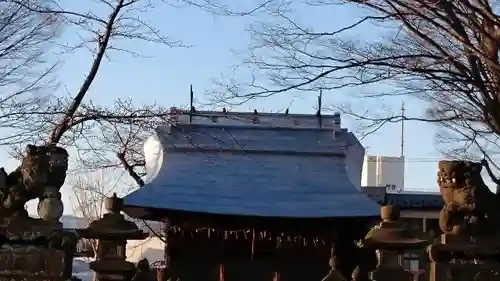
(223, 257)
(160, 274)
(277, 257)
(346, 252)
(222, 272)
(170, 270)
(438, 271)
(253, 244)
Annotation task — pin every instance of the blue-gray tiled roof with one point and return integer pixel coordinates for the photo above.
(416, 201)
(259, 185)
(244, 138)
(254, 184)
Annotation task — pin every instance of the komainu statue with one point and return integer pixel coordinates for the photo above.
(470, 208)
(41, 175)
(35, 248)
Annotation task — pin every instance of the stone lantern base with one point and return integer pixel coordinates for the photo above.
(115, 270)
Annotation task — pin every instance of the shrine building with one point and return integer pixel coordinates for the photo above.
(260, 193)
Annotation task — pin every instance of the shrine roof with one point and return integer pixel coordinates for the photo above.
(429, 201)
(405, 200)
(259, 171)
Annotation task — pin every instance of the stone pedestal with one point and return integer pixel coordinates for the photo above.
(36, 254)
(458, 259)
(389, 269)
(112, 232)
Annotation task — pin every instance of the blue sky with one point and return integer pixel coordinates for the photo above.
(165, 77)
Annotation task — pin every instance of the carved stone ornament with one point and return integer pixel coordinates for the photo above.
(51, 207)
(470, 208)
(35, 249)
(42, 169)
(469, 246)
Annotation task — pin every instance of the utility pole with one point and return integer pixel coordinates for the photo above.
(402, 129)
(191, 107)
(318, 113)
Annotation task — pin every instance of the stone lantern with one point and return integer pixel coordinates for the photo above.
(112, 232)
(390, 238)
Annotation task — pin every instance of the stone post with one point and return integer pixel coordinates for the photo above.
(359, 274)
(334, 274)
(112, 232)
(390, 238)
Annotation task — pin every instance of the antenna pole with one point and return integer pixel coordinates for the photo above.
(320, 119)
(191, 104)
(402, 129)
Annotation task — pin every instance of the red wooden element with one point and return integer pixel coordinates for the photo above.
(222, 272)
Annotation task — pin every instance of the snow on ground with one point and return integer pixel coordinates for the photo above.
(81, 269)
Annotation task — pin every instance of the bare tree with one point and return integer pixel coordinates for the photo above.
(104, 137)
(100, 133)
(100, 35)
(444, 53)
(97, 133)
(108, 137)
(25, 80)
(93, 130)
(89, 194)
(118, 142)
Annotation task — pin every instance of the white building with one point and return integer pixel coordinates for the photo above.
(383, 177)
(383, 171)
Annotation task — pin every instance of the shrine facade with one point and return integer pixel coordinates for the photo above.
(219, 179)
(255, 190)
